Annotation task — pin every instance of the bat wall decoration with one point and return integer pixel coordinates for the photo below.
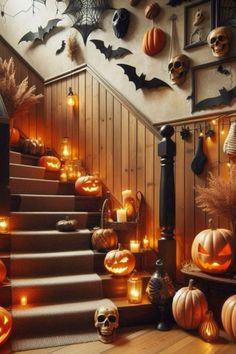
(40, 34)
(62, 47)
(140, 82)
(108, 51)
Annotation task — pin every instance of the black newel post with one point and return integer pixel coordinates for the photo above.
(166, 244)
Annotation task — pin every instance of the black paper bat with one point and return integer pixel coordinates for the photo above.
(62, 47)
(42, 31)
(108, 51)
(176, 2)
(140, 81)
(222, 70)
(224, 97)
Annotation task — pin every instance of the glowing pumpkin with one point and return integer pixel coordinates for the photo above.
(5, 324)
(3, 271)
(212, 250)
(104, 239)
(189, 306)
(153, 41)
(208, 329)
(88, 185)
(51, 163)
(228, 316)
(119, 262)
(14, 136)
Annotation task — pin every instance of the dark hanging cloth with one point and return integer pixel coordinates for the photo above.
(200, 158)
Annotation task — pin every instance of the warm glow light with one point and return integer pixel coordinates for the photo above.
(222, 132)
(134, 246)
(65, 148)
(4, 224)
(71, 98)
(126, 194)
(145, 242)
(63, 176)
(201, 134)
(121, 215)
(213, 121)
(23, 300)
(229, 164)
(134, 289)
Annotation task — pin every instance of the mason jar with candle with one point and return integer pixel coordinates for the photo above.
(134, 288)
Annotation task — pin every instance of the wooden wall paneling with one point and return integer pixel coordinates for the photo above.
(141, 166)
(96, 128)
(103, 133)
(110, 141)
(48, 114)
(132, 153)
(40, 118)
(62, 118)
(117, 150)
(89, 133)
(82, 116)
(125, 148)
(74, 119)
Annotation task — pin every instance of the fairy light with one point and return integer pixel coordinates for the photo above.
(222, 129)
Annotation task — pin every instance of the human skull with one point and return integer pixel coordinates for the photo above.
(199, 17)
(178, 68)
(219, 41)
(120, 22)
(106, 321)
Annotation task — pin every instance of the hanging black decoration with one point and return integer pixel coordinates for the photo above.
(185, 133)
(200, 158)
(42, 31)
(108, 51)
(176, 2)
(223, 71)
(62, 47)
(86, 15)
(140, 81)
(120, 22)
(209, 132)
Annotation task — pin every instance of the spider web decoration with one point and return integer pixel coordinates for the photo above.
(3, 13)
(86, 14)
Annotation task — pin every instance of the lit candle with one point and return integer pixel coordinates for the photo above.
(145, 242)
(126, 194)
(23, 300)
(134, 245)
(134, 289)
(121, 215)
(4, 224)
(63, 175)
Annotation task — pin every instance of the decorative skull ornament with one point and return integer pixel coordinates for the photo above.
(199, 17)
(106, 320)
(219, 41)
(178, 68)
(120, 22)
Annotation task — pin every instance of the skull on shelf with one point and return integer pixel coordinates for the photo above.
(219, 41)
(106, 321)
(120, 22)
(178, 68)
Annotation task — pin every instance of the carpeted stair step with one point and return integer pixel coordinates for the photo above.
(18, 170)
(39, 202)
(33, 186)
(57, 289)
(49, 241)
(47, 220)
(26, 265)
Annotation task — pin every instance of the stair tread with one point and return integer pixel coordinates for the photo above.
(35, 256)
(64, 213)
(49, 232)
(27, 166)
(35, 179)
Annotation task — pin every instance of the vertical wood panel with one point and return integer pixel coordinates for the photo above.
(82, 116)
(88, 121)
(96, 128)
(103, 133)
(110, 141)
(117, 150)
(125, 149)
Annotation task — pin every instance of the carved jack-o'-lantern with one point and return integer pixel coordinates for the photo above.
(5, 324)
(51, 163)
(88, 185)
(212, 250)
(119, 262)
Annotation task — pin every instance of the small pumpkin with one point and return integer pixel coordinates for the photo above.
(189, 306)
(67, 224)
(153, 41)
(152, 10)
(208, 329)
(104, 239)
(5, 324)
(88, 185)
(3, 271)
(119, 262)
(212, 250)
(228, 316)
(14, 136)
(51, 163)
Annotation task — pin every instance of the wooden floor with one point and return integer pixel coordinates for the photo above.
(147, 340)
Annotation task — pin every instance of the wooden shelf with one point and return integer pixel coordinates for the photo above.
(121, 225)
(224, 278)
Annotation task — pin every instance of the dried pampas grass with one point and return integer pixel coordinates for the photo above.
(17, 98)
(72, 47)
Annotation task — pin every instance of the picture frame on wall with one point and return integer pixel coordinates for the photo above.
(225, 13)
(213, 84)
(199, 20)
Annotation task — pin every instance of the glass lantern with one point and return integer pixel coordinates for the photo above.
(134, 288)
(65, 149)
(4, 224)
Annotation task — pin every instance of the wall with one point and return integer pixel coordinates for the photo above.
(153, 104)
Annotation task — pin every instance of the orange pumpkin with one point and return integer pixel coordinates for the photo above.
(153, 41)
(208, 329)
(104, 239)
(212, 250)
(14, 136)
(189, 306)
(5, 324)
(88, 185)
(119, 262)
(3, 271)
(152, 10)
(228, 316)
(51, 163)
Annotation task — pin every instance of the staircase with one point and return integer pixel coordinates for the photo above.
(60, 277)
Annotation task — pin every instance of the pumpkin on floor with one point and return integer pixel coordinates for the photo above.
(51, 163)
(5, 324)
(228, 316)
(119, 262)
(189, 306)
(104, 239)
(208, 329)
(67, 224)
(153, 41)
(88, 186)
(212, 250)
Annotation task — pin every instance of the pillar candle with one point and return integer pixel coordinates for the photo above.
(121, 215)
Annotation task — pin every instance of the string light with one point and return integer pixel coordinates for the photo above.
(222, 129)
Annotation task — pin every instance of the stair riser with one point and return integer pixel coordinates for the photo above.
(15, 157)
(33, 186)
(56, 293)
(51, 266)
(43, 203)
(26, 171)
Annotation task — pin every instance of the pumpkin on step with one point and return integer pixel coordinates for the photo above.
(67, 224)
(228, 316)
(104, 239)
(5, 325)
(119, 262)
(14, 136)
(153, 41)
(51, 163)
(88, 186)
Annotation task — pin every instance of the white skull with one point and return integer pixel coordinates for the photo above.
(178, 68)
(106, 321)
(219, 41)
(199, 17)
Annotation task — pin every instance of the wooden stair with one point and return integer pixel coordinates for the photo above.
(63, 278)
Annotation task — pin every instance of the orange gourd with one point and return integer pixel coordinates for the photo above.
(119, 262)
(51, 163)
(189, 306)
(5, 324)
(228, 316)
(153, 41)
(104, 239)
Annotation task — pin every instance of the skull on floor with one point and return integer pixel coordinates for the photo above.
(219, 41)
(178, 68)
(120, 22)
(106, 321)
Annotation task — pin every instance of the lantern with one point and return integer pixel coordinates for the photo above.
(65, 149)
(4, 224)
(189, 306)
(3, 271)
(51, 163)
(119, 262)
(23, 300)
(73, 169)
(212, 250)
(5, 324)
(134, 245)
(121, 215)
(145, 242)
(88, 185)
(208, 329)
(134, 288)
(71, 98)
(228, 316)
